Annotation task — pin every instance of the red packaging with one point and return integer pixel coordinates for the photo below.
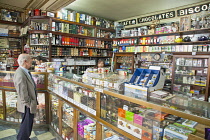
(37, 12)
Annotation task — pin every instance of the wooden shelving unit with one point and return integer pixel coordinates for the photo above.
(198, 31)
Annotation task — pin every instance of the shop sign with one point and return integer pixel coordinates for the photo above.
(128, 22)
(193, 10)
(161, 16)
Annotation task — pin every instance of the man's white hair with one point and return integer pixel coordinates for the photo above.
(22, 58)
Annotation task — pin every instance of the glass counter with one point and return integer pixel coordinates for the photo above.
(78, 95)
(40, 117)
(55, 113)
(175, 102)
(86, 128)
(109, 134)
(67, 122)
(12, 114)
(1, 105)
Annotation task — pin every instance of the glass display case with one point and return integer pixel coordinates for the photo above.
(12, 114)
(1, 105)
(78, 95)
(40, 117)
(6, 79)
(55, 113)
(39, 80)
(131, 117)
(191, 77)
(67, 122)
(86, 128)
(109, 134)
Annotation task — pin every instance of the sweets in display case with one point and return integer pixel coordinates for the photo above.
(67, 122)
(40, 116)
(1, 105)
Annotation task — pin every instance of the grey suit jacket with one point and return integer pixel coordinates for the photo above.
(26, 91)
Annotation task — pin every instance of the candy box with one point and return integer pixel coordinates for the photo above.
(147, 125)
(146, 135)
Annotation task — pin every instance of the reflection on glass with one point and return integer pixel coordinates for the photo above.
(67, 122)
(7, 79)
(109, 134)
(55, 114)
(40, 116)
(86, 128)
(39, 79)
(11, 105)
(140, 121)
(1, 105)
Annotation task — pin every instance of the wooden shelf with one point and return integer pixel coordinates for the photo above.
(10, 23)
(81, 47)
(188, 84)
(83, 56)
(82, 24)
(80, 36)
(11, 37)
(156, 61)
(67, 34)
(175, 53)
(181, 43)
(39, 32)
(198, 31)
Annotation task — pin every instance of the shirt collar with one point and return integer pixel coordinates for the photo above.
(26, 70)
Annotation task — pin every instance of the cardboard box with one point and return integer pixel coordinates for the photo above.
(138, 120)
(121, 112)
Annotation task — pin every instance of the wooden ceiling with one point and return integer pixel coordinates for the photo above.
(109, 9)
(21, 5)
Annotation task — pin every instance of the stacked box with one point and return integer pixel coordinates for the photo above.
(81, 125)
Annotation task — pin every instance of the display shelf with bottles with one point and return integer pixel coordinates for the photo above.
(64, 33)
(39, 39)
(105, 28)
(39, 50)
(124, 61)
(83, 52)
(194, 82)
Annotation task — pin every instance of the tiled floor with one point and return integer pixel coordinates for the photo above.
(8, 133)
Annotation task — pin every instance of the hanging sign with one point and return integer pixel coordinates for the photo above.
(165, 15)
(193, 10)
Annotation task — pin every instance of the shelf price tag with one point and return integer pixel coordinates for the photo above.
(98, 89)
(193, 53)
(163, 52)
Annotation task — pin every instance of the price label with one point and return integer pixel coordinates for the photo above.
(193, 53)
(83, 107)
(163, 52)
(98, 89)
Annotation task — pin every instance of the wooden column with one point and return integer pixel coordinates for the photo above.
(4, 104)
(98, 114)
(76, 117)
(60, 115)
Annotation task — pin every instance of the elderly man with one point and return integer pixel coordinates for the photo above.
(27, 97)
